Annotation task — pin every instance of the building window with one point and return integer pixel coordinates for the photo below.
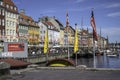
(14, 32)
(7, 6)
(8, 14)
(13, 15)
(11, 7)
(0, 21)
(0, 11)
(3, 12)
(3, 22)
(15, 8)
(7, 23)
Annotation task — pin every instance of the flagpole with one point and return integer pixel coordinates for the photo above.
(68, 45)
(94, 62)
(94, 37)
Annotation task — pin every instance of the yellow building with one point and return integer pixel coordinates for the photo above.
(33, 32)
(70, 34)
(32, 29)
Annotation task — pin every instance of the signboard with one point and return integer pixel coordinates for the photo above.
(15, 50)
(15, 47)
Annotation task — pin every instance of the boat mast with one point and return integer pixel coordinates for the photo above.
(81, 32)
(100, 39)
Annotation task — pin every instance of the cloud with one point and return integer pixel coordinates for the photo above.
(114, 5)
(17, 2)
(115, 14)
(48, 11)
(79, 9)
(78, 1)
(112, 32)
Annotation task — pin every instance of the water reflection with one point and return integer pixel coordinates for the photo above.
(101, 62)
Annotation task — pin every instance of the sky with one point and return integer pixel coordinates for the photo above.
(106, 13)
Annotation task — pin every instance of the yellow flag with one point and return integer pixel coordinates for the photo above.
(76, 41)
(46, 42)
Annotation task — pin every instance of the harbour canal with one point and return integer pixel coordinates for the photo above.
(100, 62)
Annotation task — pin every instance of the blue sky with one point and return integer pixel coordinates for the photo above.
(106, 13)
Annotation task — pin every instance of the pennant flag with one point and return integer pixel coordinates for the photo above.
(46, 42)
(76, 41)
(93, 26)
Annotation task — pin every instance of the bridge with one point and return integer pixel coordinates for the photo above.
(42, 58)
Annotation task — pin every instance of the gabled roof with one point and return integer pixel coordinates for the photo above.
(61, 25)
(27, 19)
(69, 28)
(10, 3)
(49, 23)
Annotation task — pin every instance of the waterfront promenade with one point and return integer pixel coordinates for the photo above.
(64, 73)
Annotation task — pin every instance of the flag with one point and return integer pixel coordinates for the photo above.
(76, 41)
(46, 42)
(93, 26)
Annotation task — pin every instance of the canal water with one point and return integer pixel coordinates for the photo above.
(100, 62)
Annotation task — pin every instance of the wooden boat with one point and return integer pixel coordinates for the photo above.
(60, 63)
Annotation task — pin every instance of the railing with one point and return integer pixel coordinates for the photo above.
(42, 58)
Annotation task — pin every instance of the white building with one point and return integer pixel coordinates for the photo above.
(53, 34)
(11, 21)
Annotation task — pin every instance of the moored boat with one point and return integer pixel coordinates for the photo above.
(112, 54)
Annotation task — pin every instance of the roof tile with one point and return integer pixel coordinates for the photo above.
(15, 62)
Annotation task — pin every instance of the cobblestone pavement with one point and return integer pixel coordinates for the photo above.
(66, 75)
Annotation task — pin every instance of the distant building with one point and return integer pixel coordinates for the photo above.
(114, 46)
(42, 29)
(84, 39)
(69, 36)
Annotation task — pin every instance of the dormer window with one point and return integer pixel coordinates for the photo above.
(33, 23)
(29, 21)
(15, 8)
(7, 6)
(11, 7)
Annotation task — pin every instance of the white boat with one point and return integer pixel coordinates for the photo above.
(112, 55)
